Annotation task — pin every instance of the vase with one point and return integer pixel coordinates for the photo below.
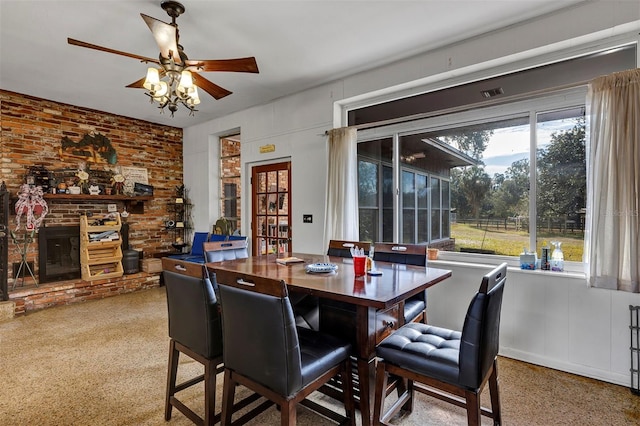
(557, 257)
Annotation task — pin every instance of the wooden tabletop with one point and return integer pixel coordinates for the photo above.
(396, 283)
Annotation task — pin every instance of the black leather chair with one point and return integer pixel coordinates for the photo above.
(449, 365)
(195, 329)
(265, 351)
(415, 307)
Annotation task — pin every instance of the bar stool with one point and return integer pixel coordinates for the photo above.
(449, 365)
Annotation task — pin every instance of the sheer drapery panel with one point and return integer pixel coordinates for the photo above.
(341, 218)
(612, 246)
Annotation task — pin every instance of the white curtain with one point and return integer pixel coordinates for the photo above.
(341, 217)
(612, 254)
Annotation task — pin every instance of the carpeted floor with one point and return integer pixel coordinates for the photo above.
(104, 363)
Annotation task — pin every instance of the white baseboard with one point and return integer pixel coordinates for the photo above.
(581, 370)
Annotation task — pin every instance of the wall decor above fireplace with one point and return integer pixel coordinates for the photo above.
(91, 148)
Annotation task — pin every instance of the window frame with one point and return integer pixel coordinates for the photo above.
(567, 98)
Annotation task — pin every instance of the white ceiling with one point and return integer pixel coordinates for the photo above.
(297, 44)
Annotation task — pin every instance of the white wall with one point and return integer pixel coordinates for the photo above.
(553, 321)
(550, 319)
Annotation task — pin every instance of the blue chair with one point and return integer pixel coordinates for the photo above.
(197, 250)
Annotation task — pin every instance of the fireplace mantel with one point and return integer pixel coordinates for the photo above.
(134, 204)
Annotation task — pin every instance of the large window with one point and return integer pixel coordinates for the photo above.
(230, 180)
(496, 180)
(502, 174)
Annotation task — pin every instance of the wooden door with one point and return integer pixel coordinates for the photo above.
(271, 208)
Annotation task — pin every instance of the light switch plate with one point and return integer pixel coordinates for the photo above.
(112, 208)
(307, 218)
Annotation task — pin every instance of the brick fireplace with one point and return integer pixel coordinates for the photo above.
(31, 134)
(58, 253)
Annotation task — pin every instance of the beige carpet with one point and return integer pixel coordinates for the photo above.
(104, 363)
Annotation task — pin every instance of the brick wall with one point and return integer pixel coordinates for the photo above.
(31, 134)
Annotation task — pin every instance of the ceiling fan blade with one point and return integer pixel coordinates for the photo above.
(233, 65)
(166, 36)
(139, 84)
(106, 49)
(213, 89)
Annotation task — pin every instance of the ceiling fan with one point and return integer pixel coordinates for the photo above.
(177, 79)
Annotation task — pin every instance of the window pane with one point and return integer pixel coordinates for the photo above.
(408, 226)
(368, 224)
(408, 207)
(375, 191)
(490, 194)
(367, 184)
(421, 191)
(408, 190)
(435, 193)
(446, 219)
(445, 194)
(230, 187)
(423, 226)
(446, 224)
(435, 224)
(561, 181)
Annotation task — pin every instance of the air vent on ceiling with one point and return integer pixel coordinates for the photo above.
(490, 93)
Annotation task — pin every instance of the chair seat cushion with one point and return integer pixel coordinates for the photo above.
(319, 352)
(424, 349)
(412, 308)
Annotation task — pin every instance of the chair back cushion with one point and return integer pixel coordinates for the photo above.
(480, 333)
(199, 238)
(408, 254)
(260, 336)
(194, 317)
(342, 248)
(217, 251)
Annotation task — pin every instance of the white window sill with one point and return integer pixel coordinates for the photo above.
(573, 270)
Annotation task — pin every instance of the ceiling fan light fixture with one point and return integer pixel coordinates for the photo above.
(171, 82)
(152, 80)
(186, 83)
(162, 91)
(194, 98)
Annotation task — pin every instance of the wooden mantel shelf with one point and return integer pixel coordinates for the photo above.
(134, 204)
(100, 197)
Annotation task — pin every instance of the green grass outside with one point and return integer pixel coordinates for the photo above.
(511, 242)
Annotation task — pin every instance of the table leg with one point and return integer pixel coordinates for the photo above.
(366, 375)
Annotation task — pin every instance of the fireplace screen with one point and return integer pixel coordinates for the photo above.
(59, 253)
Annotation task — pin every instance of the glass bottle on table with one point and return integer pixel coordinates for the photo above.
(557, 257)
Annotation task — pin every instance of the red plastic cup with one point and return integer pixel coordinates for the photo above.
(359, 263)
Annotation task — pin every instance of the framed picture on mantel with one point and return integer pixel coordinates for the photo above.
(133, 175)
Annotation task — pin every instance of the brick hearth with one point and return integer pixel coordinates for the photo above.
(30, 297)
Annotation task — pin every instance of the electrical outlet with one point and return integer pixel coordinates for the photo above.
(307, 218)
(112, 208)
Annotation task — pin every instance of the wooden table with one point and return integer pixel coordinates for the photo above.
(363, 310)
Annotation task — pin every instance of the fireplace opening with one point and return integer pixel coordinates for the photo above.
(58, 253)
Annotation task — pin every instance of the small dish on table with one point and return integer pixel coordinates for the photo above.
(321, 268)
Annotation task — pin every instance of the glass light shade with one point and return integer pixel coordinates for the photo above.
(162, 89)
(152, 80)
(194, 98)
(186, 80)
(186, 83)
